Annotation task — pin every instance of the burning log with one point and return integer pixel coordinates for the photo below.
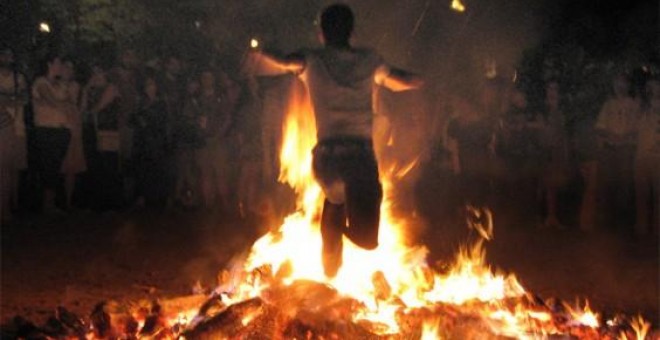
(22, 328)
(54, 328)
(227, 323)
(381, 286)
(72, 322)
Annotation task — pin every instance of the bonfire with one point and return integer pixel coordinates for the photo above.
(279, 291)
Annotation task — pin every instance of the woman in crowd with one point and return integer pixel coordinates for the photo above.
(616, 128)
(74, 160)
(50, 100)
(151, 146)
(101, 104)
(13, 147)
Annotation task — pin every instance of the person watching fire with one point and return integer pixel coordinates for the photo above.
(340, 81)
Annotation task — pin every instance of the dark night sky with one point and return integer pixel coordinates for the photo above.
(489, 29)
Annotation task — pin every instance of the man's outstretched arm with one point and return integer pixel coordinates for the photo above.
(262, 64)
(397, 80)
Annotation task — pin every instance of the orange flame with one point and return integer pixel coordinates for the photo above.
(431, 329)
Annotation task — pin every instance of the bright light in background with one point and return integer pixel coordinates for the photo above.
(254, 43)
(457, 6)
(44, 27)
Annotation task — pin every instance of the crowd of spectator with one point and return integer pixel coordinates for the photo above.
(537, 162)
(131, 136)
(136, 135)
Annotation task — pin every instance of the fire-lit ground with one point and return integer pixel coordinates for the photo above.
(80, 260)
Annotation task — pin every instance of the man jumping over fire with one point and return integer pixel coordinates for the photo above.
(340, 81)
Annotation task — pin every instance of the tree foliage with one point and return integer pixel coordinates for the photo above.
(92, 21)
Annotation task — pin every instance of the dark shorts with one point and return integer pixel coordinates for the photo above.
(352, 163)
(52, 144)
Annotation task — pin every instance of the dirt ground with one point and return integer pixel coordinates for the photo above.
(83, 258)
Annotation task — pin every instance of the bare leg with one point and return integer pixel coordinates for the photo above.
(332, 224)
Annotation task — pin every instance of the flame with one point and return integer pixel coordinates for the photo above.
(431, 329)
(583, 316)
(641, 327)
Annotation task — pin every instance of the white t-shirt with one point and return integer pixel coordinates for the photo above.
(48, 98)
(340, 83)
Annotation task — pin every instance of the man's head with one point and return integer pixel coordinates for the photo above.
(337, 24)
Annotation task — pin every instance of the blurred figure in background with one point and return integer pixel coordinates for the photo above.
(556, 172)
(13, 146)
(519, 145)
(101, 104)
(647, 163)
(128, 75)
(190, 140)
(50, 101)
(74, 160)
(249, 128)
(471, 134)
(470, 139)
(172, 90)
(151, 152)
(214, 121)
(616, 127)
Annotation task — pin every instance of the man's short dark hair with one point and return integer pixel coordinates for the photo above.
(337, 24)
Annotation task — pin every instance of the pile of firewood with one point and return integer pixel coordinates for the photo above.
(302, 310)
